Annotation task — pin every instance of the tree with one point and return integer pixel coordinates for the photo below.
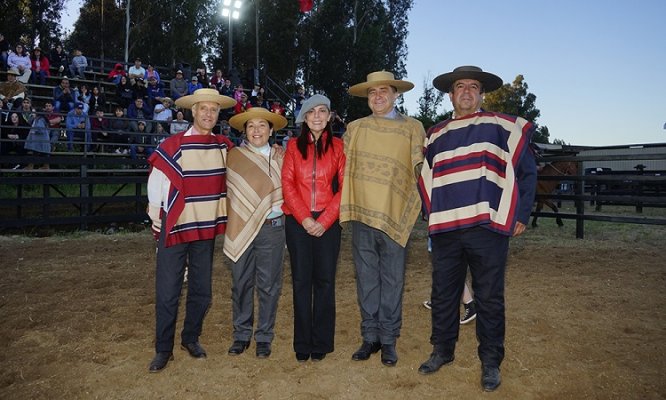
(32, 22)
(514, 99)
(429, 102)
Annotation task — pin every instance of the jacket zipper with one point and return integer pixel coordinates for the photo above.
(314, 175)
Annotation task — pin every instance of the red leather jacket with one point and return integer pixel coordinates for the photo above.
(306, 184)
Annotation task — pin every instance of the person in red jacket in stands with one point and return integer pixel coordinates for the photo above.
(40, 66)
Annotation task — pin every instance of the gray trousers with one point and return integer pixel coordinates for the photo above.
(380, 281)
(260, 266)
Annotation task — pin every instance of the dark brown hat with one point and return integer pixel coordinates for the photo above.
(489, 81)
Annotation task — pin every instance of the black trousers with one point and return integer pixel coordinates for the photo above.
(169, 283)
(485, 252)
(313, 266)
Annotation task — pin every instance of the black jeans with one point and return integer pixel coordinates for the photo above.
(485, 252)
(313, 266)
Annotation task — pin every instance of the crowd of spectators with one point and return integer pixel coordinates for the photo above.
(141, 109)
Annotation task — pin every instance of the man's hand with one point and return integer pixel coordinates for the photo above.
(518, 229)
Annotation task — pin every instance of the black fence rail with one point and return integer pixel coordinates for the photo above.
(76, 190)
(638, 188)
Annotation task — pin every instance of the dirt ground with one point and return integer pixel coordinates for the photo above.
(585, 320)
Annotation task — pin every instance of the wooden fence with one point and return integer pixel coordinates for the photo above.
(639, 189)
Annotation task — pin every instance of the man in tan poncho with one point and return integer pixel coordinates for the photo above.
(379, 197)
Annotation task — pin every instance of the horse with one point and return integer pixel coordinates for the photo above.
(546, 187)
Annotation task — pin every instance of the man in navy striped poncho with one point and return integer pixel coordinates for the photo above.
(477, 185)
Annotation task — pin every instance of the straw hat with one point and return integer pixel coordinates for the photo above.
(200, 95)
(13, 71)
(379, 78)
(489, 81)
(238, 121)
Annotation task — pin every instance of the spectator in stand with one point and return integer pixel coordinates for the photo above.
(202, 76)
(40, 66)
(277, 108)
(260, 102)
(97, 99)
(139, 111)
(119, 127)
(38, 141)
(140, 142)
(238, 92)
(159, 135)
(4, 52)
(243, 105)
(124, 92)
(79, 65)
(116, 73)
(338, 124)
(77, 124)
(12, 92)
(155, 92)
(287, 137)
(217, 81)
(179, 124)
(13, 135)
(55, 120)
(20, 60)
(194, 85)
(27, 113)
(139, 89)
(227, 89)
(99, 126)
(152, 73)
(136, 71)
(178, 86)
(64, 98)
(59, 59)
(84, 97)
(162, 112)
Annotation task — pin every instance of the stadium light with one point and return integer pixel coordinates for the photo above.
(231, 10)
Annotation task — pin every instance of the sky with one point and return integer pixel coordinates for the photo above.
(597, 67)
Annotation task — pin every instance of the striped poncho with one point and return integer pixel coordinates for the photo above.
(195, 166)
(478, 171)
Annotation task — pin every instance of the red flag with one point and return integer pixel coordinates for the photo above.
(305, 5)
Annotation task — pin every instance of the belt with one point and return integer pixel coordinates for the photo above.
(277, 221)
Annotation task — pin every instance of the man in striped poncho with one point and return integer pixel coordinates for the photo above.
(187, 205)
(477, 185)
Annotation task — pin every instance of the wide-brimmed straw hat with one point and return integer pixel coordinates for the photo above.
(310, 103)
(489, 81)
(13, 71)
(379, 78)
(200, 95)
(238, 121)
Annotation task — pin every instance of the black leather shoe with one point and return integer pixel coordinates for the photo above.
(302, 357)
(160, 361)
(366, 350)
(263, 349)
(238, 347)
(434, 363)
(194, 349)
(389, 355)
(318, 356)
(490, 378)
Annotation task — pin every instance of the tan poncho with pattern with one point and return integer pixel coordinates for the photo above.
(252, 190)
(379, 184)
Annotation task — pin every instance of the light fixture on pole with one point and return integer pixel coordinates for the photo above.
(231, 13)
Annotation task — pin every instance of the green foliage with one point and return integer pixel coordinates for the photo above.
(514, 99)
(429, 103)
(32, 22)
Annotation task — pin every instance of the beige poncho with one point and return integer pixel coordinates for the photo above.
(380, 183)
(253, 189)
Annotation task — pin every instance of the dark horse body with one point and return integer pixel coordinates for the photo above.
(556, 168)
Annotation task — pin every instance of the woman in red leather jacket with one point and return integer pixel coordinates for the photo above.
(311, 181)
